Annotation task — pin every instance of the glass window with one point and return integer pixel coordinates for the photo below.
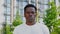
(20, 5)
(20, 0)
(8, 10)
(45, 1)
(33, 3)
(17, 0)
(5, 1)
(41, 1)
(45, 7)
(5, 11)
(24, 4)
(33, 0)
(8, 1)
(8, 5)
(21, 12)
(8, 19)
(41, 7)
(24, 0)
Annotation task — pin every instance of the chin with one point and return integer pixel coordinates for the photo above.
(31, 20)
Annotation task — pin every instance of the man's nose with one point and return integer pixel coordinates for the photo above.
(30, 14)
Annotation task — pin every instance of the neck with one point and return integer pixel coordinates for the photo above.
(30, 23)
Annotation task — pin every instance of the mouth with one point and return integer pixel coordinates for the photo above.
(30, 19)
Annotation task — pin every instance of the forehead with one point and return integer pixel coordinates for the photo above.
(30, 9)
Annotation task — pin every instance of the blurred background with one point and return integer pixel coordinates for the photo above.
(12, 14)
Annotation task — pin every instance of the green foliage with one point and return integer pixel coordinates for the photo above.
(1, 31)
(56, 28)
(50, 18)
(51, 15)
(8, 29)
(17, 21)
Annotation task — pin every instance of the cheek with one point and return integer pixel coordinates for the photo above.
(35, 15)
(26, 16)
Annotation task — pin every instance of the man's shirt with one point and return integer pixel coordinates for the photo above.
(37, 28)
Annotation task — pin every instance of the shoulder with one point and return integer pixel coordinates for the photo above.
(44, 28)
(43, 25)
(17, 29)
(19, 26)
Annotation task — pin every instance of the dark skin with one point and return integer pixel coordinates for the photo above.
(30, 15)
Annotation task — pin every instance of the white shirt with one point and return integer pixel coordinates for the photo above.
(34, 29)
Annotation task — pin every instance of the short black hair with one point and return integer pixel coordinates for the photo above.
(30, 5)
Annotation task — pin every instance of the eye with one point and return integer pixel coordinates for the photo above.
(33, 12)
(28, 12)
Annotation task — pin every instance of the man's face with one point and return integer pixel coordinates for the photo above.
(30, 14)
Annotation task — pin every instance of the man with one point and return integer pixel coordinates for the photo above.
(31, 27)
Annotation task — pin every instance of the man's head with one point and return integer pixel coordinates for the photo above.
(30, 12)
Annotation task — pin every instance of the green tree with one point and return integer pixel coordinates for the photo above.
(56, 29)
(50, 18)
(51, 15)
(17, 21)
(7, 29)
